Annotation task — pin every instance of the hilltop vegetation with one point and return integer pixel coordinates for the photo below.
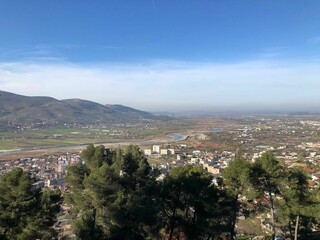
(18, 111)
(25, 212)
(116, 195)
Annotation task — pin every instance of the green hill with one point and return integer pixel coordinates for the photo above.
(17, 110)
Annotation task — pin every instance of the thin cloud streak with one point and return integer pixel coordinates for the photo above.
(173, 85)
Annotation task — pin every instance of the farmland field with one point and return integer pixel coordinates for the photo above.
(40, 138)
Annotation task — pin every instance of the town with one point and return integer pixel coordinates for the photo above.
(294, 141)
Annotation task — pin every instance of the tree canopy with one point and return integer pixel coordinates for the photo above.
(26, 213)
(115, 195)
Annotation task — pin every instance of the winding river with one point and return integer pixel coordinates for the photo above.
(171, 137)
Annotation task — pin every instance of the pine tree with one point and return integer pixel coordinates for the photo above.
(236, 180)
(190, 204)
(113, 194)
(266, 175)
(26, 213)
(297, 200)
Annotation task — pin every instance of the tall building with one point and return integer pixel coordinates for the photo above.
(156, 149)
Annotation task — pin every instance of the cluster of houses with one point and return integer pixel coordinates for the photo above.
(306, 156)
(49, 172)
(179, 155)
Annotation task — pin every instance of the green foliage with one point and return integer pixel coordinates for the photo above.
(114, 193)
(266, 174)
(76, 175)
(298, 202)
(316, 207)
(236, 179)
(75, 179)
(115, 196)
(190, 204)
(26, 213)
(295, 190)
(296, 205)
(92, 156)
(236, 176)
(85, 228)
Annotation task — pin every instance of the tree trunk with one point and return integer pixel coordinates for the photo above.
(93, 225)
(234, 218)
(172, 224)
(272, 216)
(173, 217)
(296, 229)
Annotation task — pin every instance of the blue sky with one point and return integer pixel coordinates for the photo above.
(165, 55)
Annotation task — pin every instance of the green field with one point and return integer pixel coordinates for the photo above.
(37, 138)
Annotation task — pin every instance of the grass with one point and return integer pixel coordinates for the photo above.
(46, 138)
(77, 136)
(249, 226)
(51, 137)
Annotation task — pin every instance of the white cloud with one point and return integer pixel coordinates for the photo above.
(171, 85)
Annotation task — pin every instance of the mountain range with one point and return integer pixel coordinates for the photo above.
(18, 110)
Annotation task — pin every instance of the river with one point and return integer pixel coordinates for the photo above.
(171, 137)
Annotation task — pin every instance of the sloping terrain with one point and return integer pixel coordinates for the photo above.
(11, 103)
(17, 110)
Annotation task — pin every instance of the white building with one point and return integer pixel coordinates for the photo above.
(147, 152)
(164, 152)
(171, 151)
(156, 149)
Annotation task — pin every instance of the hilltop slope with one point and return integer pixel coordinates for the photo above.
(46, 111)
